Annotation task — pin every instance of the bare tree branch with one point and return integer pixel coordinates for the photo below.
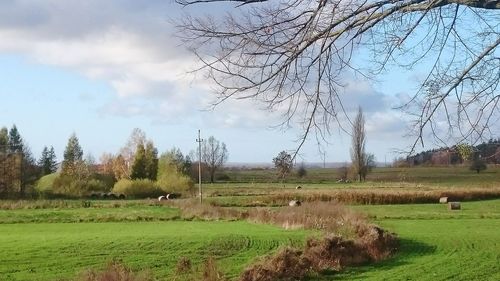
(294, 56)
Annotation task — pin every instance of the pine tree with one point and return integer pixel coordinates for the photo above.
(73, 156)
(139, 165)
(47, 161)
(52, 160)
(15, 140)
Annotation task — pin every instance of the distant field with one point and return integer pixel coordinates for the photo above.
(50, 251)
(458, 176)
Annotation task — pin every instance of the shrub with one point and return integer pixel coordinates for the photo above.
(140, 188)
(286, 264)
(175, 182)
(66, 185)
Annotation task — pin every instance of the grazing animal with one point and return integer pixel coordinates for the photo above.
(161, 198)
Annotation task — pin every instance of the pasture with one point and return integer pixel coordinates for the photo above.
(59, 239)
(55, 251)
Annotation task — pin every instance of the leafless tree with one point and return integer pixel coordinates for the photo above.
(214, 155)
(294, 56)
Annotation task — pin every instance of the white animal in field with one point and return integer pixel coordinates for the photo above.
(161, 198)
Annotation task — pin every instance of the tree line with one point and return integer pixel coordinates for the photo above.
(136, 165)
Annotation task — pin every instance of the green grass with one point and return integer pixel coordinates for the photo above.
(437, 244)
(50, 251)
(469, 210)
(107, 213)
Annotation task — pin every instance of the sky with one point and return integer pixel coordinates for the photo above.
(99, 69)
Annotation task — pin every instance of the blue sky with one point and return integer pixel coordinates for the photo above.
(102, 68)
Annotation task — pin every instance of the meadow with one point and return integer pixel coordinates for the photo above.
(60, 239)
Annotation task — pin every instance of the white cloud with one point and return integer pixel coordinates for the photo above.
(129, 45)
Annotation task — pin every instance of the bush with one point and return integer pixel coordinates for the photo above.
(67, 185)
(140, 188)
(175, 182)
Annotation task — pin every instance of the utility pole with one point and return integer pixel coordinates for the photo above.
(199, 140)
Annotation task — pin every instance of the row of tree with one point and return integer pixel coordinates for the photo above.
(137, 160)
(488, 152)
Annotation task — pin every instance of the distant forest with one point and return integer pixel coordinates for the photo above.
(489, 152)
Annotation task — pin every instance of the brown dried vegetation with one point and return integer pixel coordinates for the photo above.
(115, 271)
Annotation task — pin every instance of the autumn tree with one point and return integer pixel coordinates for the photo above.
(283, 163)
(4, 139)
(296, 56)
(137, 137)
(120, 168)
(214, 155)
(465, 151)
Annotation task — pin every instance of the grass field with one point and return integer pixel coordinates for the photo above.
(437, 244)
(50, 251)
(58, 239)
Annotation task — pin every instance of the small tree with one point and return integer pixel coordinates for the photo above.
(283, 163)
(301, 170)
(214, 154)
(478, 165)
(465, 151)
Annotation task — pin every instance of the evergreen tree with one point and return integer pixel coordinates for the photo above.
(73, 156)
(139, 165)
(15, 140)
(47, 161)
(151, 161)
